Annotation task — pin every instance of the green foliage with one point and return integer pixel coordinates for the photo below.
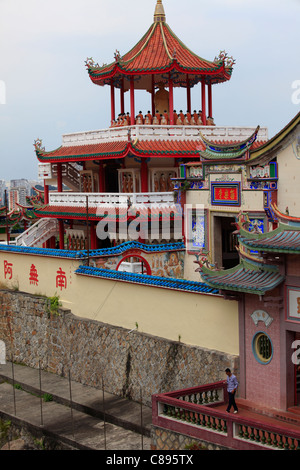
(4, 429)
(53, 304)
(47, 397)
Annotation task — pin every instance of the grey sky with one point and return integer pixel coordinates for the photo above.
(43, 46)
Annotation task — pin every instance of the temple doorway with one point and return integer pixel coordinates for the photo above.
(225, 241)
(111, 178)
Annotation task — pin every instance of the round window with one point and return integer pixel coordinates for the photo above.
(262, 348)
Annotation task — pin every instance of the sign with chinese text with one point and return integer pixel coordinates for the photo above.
(225, 194)
(293, 303)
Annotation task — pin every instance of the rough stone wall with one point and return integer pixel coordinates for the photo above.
(131, 365)
(163, 439)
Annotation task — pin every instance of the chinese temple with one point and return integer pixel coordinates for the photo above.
(199, 219)
(145, 160)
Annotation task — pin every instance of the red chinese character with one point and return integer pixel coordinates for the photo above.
(33, 275)
(8, 269)
(61, 279)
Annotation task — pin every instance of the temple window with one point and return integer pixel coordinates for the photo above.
(262, 348)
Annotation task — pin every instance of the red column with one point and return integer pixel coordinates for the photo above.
(153, 96)
(46, 193)
(132, 110)
(122, 105)
(210, 112)
(171, 101)
(144, 176)
(61, 234)
(101, 178)
(59, 178)
(93, 236)
(188, 94)
(112, 101)
(203, 101)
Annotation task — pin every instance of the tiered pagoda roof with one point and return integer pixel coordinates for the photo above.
(162, 148)
(159, 52)
(253, 274)
(246, 277)
(227, 151)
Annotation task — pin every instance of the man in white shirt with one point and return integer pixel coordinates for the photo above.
(232, 385)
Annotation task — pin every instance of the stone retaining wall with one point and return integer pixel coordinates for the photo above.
(163, 439)
(131, 364)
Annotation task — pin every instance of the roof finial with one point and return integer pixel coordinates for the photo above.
(159, 14)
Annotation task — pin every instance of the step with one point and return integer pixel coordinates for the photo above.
(99, 404)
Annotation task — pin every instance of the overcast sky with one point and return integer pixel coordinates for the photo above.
(44, 43)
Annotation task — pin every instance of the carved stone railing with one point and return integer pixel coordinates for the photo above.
(122, 199)
(158, 132)
(38, 233)
(194, 412)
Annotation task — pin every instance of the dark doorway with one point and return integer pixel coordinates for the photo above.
(111, 178)
(225, 242)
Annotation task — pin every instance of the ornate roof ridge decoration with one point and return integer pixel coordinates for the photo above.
(158, 52)
(134, 245)
(151, 281)
(270, 146)
(284, 239)
(247, 277)
(120, 149)
(216, 151)
(287, 218)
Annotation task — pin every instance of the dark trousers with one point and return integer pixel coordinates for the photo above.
(231, 402)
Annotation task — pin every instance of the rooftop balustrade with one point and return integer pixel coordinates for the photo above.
(196, 412)
(158, 132)
(121, 199)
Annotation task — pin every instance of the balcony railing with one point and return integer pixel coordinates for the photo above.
(122, 199)
(194, 412)
(155, 132)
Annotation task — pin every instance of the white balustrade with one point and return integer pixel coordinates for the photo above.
(38, 233)
(121, 199)
(157, 132)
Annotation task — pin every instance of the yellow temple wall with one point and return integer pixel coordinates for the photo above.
(202, 320)
(289, 180)
(251, 201)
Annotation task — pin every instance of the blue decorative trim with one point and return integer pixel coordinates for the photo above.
(93, 253)
(133, 245)
(43, 251)
(154, 281)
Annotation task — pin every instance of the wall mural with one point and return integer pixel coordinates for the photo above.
(166, 264)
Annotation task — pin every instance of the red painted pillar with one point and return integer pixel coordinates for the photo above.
(210, 112)
(59, 178)
(46, 193)
(61, 234)
(203, 99)
(93, 236)
(101, 178)
(153, 96)
(144, 176)
(112, 101)
(122, 105)
(132, 110)
(188, 94)
(171, 101)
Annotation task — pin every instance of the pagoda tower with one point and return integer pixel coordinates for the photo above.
(138, 156)
(161, 61)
